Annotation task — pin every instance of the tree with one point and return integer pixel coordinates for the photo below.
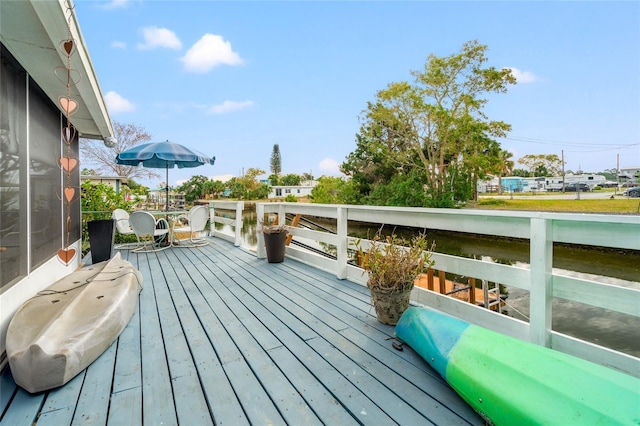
(520, 173)
(194, 188)
(250, 178)
(276, 160)
(503, 167)
(103, 157)
(542, 164)
(332, 190)
(436, 124)
(274, 179)
(236, 189)
(291, 179)
(214, 188)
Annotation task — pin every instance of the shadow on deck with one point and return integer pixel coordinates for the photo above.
(222, 337)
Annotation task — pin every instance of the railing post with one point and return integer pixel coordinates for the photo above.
(282, 214)
(260, 250)
(342, 254)
(212, 217)
(540, 296)
(239, 223)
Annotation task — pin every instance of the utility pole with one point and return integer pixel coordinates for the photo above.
(563, 171)
(617, 173)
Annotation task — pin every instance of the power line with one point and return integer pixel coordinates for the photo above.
(609, 149)
(605, 147)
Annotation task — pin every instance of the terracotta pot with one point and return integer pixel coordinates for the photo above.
(390, 304)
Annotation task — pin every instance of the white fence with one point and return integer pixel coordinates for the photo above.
(541, 229)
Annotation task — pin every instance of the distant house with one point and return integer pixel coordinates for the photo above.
(514, 184)
(39, 170)
(298, 191)
(113, 181)
(542, 184)
(629, 174)
(158, 197)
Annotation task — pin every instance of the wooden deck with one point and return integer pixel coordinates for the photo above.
(222, 337)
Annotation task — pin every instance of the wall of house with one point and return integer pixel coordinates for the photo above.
(31, 191)
(279, 191)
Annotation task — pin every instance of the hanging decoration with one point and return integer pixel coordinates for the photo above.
(69, 77)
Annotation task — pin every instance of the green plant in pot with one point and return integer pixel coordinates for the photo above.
(275, 237)
(393, 264)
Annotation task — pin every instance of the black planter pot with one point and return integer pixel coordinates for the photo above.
(275, 246)
(101, 236)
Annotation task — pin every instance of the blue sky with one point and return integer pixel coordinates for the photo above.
(233, 78)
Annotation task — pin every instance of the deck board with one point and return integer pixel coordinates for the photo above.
(326, 323)
(222, 337)
(157, 403)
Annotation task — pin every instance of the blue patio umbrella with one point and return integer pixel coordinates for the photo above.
(163, 155)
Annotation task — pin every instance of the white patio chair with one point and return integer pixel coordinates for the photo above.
(123, 227)
(194, 232)
(152, 234)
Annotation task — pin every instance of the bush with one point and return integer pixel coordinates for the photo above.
(290, 198)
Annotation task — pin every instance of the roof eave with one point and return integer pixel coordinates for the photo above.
(32, 30)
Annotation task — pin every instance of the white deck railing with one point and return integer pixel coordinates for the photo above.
(542, 283)
(233, 207)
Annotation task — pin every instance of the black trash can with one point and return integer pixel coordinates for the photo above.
(101, 236)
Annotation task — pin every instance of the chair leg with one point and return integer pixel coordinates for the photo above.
(148, 245)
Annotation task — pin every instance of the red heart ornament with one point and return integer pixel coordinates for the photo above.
(68, 105)
(66, 255)
(69, 193)
(68, 46)
(68, 164)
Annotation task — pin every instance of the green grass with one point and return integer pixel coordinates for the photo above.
(607, 205)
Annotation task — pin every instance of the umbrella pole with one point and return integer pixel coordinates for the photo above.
(166, 188)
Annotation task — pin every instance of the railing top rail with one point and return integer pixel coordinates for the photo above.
(585, 217)
(589, 229)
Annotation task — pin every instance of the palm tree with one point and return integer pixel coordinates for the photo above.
(504, 166)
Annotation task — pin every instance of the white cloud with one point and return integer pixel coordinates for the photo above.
(523, 76)
(159, 37)
(229, 106)
(119, 45)
(329, 166)
(116, 103)
(222, 178)
(115, 4)
(209, 52)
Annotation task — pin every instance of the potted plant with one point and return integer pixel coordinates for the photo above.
(393, 264)
(275, 237)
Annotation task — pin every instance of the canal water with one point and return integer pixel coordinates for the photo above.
(601, 326)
